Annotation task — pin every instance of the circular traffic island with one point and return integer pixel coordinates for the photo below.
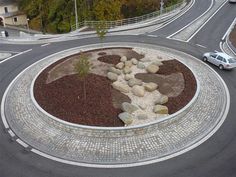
(123, 87)
(143, 104)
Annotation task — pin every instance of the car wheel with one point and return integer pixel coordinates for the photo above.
(221, 67)
(205, 59)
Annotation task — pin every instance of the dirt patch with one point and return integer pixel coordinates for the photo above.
(232, 37)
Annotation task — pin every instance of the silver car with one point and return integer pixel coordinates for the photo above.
(232, 1)
(222, 60)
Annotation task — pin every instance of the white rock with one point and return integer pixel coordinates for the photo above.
(152, 68)
(114, 70)
(112, 76)
(160, 109)
(141, 65)
(134, 61)
(129, 108)
(142, 105)
(157, 62)
(162, 100)
(120, 65)
(150, 87)
(138, 91)
(128, 77)
(127, 70)
(123, 59)
(132, 82)
(128, 63)
(121, 87)
(126, 118)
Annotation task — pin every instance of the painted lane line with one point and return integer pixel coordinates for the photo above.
(16, 55)
(221, 47)
(8, 51)
(193, 2)
(186, 26)
(11, 133)
(22, 143)
(201, 46)
(207, 21)
(150, 35)
(45, 44)
(229, 29)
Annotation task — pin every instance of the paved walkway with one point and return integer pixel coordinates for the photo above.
(116, 147)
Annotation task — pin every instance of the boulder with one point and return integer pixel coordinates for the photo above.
(120, 65)
(126, 118)
(129, 108)
(150, 87)
(142, 116)
(160, 109)
(123, 59)
(128, 77)
(143, 106)
(127, 70)
(128, 63)
(121, 87)
(138, 91)
(132, 82)
(141, 65)
(134, 61)
(112, 76)
(114, 70)
(152, 68)
(162, 100)
(157, 62)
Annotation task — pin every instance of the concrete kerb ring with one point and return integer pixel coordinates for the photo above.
(198, 141)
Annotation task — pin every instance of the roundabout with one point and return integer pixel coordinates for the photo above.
(104, 147)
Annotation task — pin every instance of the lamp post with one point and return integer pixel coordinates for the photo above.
(76, 15)
(161, 8)
(28, 25)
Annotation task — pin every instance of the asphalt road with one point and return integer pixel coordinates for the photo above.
(214, 158)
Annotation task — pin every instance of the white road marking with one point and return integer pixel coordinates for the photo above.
(45, 44)
(212, 3)
(150, 35)
(11, 133)
(15, 55)
(221, 46)
(201, 46)
(174, 18)
(207, 21)
(8, 51)
(22, 143)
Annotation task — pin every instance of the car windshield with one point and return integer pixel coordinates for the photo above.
(232, 60)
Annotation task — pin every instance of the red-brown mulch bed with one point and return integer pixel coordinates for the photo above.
(176, 103)
(64, 99)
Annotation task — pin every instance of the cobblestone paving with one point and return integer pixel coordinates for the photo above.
(117, 145)
(186, 33)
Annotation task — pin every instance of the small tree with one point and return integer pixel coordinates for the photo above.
(101, 30)
(82, 67)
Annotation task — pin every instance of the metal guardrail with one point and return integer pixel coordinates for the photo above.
(113, 24)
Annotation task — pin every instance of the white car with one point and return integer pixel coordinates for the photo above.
(232, 1)
(222, 60)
